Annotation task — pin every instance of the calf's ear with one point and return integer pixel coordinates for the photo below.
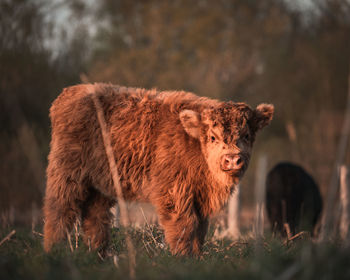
(190, 121)
(263, 115)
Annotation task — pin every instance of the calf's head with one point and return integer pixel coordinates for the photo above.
(226, 134)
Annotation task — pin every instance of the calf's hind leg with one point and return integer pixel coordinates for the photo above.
(96, 219)
(61, 209)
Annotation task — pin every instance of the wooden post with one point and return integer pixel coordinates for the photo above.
(233, 215)
(260, 190)
(328, 222)
(344, 224)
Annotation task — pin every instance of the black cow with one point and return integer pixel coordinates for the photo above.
(292, 197)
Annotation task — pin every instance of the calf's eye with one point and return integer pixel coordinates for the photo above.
(212, 139)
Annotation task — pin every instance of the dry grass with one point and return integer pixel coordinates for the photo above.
(22, 257)
(7, 237)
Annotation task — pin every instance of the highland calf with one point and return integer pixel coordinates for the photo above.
(182, 153)
(293, 198)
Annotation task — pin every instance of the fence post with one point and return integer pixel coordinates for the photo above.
(233, 215)
(328, 222)
(260, 190)
(345, 204)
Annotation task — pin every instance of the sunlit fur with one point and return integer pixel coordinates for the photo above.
(161, 143)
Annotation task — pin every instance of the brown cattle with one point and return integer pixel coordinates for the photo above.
(181, 152)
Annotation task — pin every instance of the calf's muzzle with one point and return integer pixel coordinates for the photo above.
(232, 162)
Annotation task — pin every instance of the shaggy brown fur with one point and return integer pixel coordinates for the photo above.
(182, 153)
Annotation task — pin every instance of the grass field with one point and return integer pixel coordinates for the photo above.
(22, 257)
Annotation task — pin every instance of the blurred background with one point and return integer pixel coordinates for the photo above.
(294, 54)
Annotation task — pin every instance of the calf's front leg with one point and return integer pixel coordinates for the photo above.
(184, 232)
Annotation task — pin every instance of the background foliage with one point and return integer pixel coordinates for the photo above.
(294, 56)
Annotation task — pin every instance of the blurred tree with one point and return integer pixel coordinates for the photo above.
(171, 44)
(31, 76)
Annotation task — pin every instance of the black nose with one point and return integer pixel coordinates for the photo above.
(231, 162)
